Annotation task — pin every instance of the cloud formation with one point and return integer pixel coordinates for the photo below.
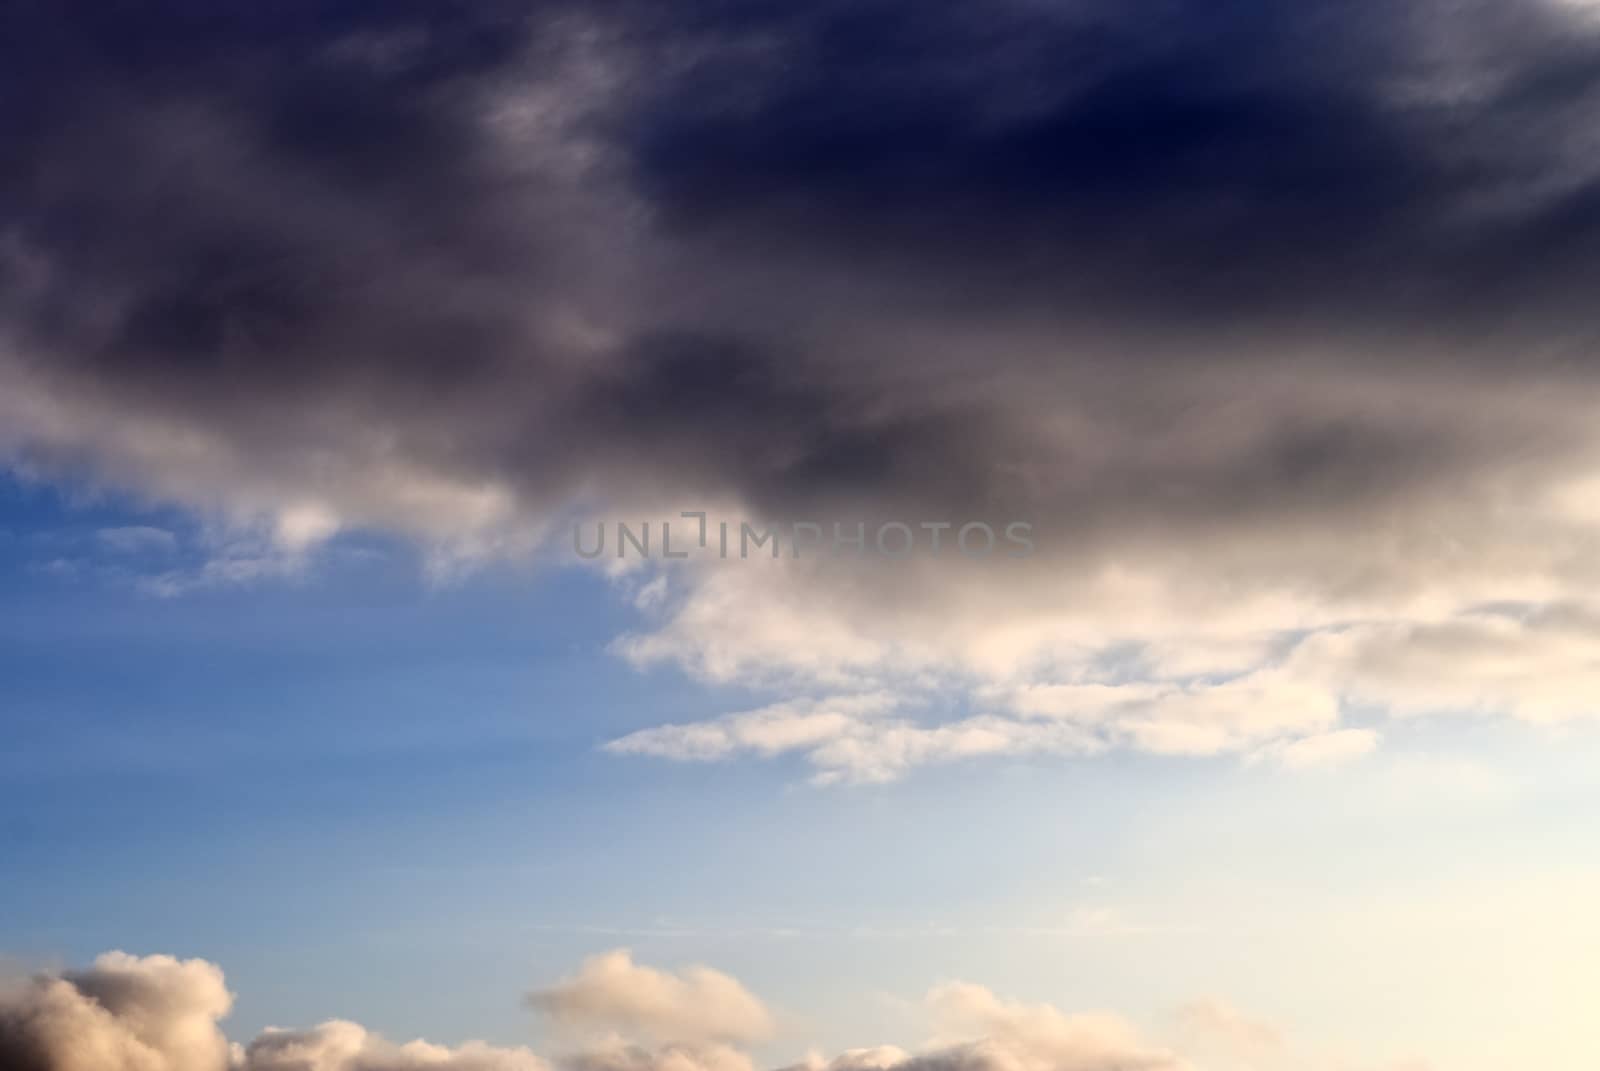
(1220, 1022)
(1031, 1037)
(343, 1046)
(865, 740)
(159, 1014)
(122, 1014)
(613, 993)
(1276, 325)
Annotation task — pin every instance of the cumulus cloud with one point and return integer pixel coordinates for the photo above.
(157, 1013)
(617, 1054)
(1277, 328)
(122, 1014)
(1219, 1021)
(695, 1005)
(343, 1046)
(1031, 1038)
(877, 1058)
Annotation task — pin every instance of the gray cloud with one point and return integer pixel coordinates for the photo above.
(512, 248)
(1272, 320)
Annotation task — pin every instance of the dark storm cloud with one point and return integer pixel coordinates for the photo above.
(1103, 262)
(1187, 162)
(236, 176)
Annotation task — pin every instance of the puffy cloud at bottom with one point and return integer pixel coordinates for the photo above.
(123, 1014)
(344, 1046)
(157, 1013)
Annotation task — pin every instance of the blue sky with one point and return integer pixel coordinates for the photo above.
(382, 799)
(1269, 746)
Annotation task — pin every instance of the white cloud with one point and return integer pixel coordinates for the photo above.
(337, 1045)
(799, 724)
(850, 741)
(877, 1058)
(1538, 664)
(1327, 749)
(136, 539)
(1021, 1037)
(618, 1054)
(122, 1014)
(1217, 1021)
(303, 525)
(1535, 663)
(847, 740)
(694, 1005)
(158, 1013)
(1187, 719)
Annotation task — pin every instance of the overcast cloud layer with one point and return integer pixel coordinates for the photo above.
(1274, 320)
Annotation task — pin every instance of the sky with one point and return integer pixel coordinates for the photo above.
(1133, 496)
